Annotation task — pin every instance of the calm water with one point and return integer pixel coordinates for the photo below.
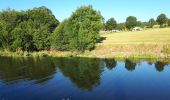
(84, 79)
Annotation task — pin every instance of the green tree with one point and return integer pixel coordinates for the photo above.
(152, 22)
(111, 24)
(162, 19)
(168, 22)
(22, 40)
(41, 24)
(3, 33)
(80, 31)
(60, 38)
(131, 22)
(28, 30)
(121, 26)
(84, 25)
(9, 19)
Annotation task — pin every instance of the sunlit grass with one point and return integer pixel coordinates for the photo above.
(151, 36)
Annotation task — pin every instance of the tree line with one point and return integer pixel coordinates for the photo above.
(132, 21)
(37, 29)
(26, 30)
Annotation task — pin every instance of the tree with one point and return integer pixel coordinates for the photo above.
(131, 22)
(28, 30)
(121, 26)
(84, 25)
(60, 39)
(111, 24)
(168, 22)
(22, 40)
(42, 23)
(162, 19)
(9, 19)
(152, 22)
(80, 31)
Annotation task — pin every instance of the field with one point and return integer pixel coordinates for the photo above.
(151, 36)
(151, 42)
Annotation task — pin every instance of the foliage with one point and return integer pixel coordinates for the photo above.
(168, 22)
(162, 19)
(9, 19)
(26, 30)
(111, 24)
(152, 22)
(60, 38)
(131, 22)
(121, 26)
(81, 31)
(22, 40)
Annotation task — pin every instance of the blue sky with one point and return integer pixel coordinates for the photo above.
(119, 9)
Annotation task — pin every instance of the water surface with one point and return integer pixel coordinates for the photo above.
(84, 79)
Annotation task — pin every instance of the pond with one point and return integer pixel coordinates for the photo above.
(84, 79)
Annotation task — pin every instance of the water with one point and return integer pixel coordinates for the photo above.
(84, 79)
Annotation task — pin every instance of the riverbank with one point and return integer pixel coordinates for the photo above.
(152, 43)
(89, 54)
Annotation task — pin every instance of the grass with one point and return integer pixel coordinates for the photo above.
(151, 43)
(151, 36)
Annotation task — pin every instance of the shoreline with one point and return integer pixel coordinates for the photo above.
(88, 54)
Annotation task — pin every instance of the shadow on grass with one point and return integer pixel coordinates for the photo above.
(101, 39)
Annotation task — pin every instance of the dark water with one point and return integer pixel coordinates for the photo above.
(84, 79)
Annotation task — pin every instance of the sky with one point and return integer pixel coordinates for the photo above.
(118, 9)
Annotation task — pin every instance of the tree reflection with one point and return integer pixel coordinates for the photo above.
(110, 63)
(160, 66)
(14, 70)
(84, 72)
(129, 65)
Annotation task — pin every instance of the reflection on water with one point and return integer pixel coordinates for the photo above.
(83, 78)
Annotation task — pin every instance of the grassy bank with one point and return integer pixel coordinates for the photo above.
(152, 43)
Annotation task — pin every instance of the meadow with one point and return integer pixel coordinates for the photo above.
(150, 36)
(149, 43)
